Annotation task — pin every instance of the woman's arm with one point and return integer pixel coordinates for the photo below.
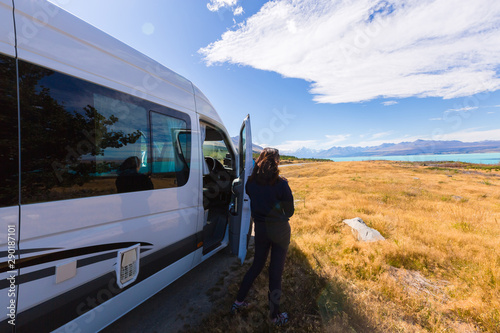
(287, 200)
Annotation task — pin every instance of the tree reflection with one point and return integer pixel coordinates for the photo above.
(62, 133)
(9, 189)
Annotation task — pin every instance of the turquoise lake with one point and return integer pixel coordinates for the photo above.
(483, 158)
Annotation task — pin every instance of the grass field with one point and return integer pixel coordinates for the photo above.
(437, 271)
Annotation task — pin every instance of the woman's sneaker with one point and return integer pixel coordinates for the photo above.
(235, 308)
(281, 319)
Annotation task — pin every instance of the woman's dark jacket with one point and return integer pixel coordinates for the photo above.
(270, 203)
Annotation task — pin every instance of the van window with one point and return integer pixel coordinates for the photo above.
(9, 158)
(216, 147)
(171, 150)
(79, 139)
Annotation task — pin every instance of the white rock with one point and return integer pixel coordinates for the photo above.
(363, 232)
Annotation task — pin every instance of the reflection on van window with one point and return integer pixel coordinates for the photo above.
(170, 165)
(129, 124)
(76, 137)
(130, 179)
(9, 182)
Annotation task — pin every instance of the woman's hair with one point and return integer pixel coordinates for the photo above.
(265, 171)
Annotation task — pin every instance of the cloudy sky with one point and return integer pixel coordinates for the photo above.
(322, 73)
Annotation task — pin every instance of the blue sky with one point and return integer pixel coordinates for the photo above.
(323, 73)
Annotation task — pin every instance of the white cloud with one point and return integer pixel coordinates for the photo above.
(472, 135)
(215, 5)
(359, 50)
(491, 112)
(238, 11)
(435, 119)
(464, 109)
(332, 139)
(381, 134)
(289, 146)
(389, 103)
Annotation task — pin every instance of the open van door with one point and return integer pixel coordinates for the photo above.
(240, 226)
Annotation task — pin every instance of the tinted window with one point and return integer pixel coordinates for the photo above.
(170, 145)
(9, 180)
(80, 139)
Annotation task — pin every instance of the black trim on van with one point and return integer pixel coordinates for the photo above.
(54, 256)
(5, 253)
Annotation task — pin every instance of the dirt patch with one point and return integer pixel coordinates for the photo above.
(414, 282)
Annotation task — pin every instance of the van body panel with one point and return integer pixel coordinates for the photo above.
(100, 316)
(98, 244)
(9, 224)
(7, 36)
(204, 107)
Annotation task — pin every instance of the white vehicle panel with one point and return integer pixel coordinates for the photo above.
(7, 40)
(159, 230)
(9, 216)
(42, 219)
(204, 107)
(53, 38)
(101, 316)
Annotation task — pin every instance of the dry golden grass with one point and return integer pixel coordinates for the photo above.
(439, 268)
(437, 271)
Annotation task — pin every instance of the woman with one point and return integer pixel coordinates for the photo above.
(271, 203)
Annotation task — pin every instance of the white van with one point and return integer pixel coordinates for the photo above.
(118, 175)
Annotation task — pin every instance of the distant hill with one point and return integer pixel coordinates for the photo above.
(419, 147)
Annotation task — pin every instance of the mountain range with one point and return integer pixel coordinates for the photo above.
(418, 147)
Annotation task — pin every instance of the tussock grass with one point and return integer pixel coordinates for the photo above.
(437, 271)
(442, 233)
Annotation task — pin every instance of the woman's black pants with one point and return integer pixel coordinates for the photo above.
(274, 237)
